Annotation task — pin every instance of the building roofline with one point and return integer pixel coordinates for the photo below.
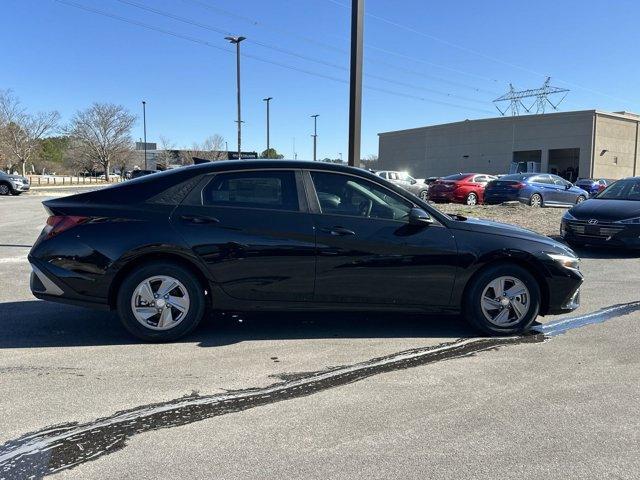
(625, 116)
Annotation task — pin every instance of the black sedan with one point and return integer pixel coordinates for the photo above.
(612, 218)
(274, 235)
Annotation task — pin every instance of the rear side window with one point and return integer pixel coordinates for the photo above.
(267, 189)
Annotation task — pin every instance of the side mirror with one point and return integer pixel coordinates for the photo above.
(568, 185)
(418, 216)
(413, 181)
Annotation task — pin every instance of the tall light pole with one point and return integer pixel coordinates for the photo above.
(355, 81)
(144, 128)
(268, 99)
(236, 41)
(315, 134)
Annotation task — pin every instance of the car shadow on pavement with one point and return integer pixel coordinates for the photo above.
(38, 324)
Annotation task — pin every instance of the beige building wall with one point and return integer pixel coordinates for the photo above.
(616, 146)
(487, 145)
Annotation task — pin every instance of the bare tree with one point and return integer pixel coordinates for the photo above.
(20, 131)
(166, 154)
(210, 149)
(103, 133)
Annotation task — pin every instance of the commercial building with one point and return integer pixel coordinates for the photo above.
(588, 143)
(160, 159)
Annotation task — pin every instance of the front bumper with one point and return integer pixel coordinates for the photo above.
(604, 234)
(20, 187)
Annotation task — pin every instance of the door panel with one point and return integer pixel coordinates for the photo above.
(252, 253)
(383, 261)
(367, 251)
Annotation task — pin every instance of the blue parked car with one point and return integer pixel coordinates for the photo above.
(593, 186)
(535, 189)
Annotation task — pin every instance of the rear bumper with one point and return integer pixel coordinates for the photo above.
(47, 286)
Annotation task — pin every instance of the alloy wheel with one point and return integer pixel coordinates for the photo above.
(505, 301)
(160, 302)
(536, 200)
(424, 195)
(580, 199)
(4, 189)
(472, 199)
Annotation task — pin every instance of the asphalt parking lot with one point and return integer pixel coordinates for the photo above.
(317, 396)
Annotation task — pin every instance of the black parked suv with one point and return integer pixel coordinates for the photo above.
(275, 235)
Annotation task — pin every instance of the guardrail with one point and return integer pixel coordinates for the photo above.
(47, 180)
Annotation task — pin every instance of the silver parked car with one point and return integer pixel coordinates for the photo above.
(406, 181)
(12, 184)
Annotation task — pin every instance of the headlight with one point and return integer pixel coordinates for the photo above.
(568, 216)
(630, 221)
(567, 261)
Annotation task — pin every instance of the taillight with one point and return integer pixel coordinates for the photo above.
(519, 185)
(57, 224)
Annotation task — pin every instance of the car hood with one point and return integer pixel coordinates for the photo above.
(13, 177)
(606, 210)
(504, 229)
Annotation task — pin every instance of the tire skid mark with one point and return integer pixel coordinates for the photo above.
(61, 447)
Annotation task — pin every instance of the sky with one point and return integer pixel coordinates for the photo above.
(426, 62)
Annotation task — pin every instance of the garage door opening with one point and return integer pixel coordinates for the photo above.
(526, 161)
(565, 162)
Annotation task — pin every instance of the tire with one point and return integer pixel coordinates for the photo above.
(15, 193)
(187, 292)
(424, 195)
(536, 200)
(477, 312)
(5, 189)
(575, 244)
(580, 199)
(472, 199)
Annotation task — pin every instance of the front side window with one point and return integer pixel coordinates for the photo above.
(253, 189)
(348, 195)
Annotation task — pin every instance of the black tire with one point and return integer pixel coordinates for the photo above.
(580, 199)
(472, 310)
(5, 188)
(575, 244)
(536, 200)
(195, 312)
(15, 193)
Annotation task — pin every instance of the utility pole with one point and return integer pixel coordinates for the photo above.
(268, 99)
(236, 41)
(315, 134)
(144, 127)
(355, 81)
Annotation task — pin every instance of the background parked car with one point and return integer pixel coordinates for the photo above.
(13, 184)
(535, 189)
(406, 181)
(460, 188)
(141, 173)
(593, 186)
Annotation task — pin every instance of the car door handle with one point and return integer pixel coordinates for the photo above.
(199, 219)
(338, 231)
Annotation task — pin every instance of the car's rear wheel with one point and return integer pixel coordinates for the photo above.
(472, 199)
(4, 189)
(580, 199)
(502, 300)
(535, 200)
(161, 302)
(424, 195)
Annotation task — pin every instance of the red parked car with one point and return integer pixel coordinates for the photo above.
(460, 188)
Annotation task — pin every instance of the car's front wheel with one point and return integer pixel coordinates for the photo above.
(161, 302)
(580, 199)
(502, 300)
(424, 195)
(5, 189)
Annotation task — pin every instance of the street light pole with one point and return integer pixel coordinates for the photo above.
(355, 81)
(236, 41)
(268, 99)
(144, 127)
(315, 135)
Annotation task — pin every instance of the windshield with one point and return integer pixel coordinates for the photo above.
(405, 176)
(627, 189)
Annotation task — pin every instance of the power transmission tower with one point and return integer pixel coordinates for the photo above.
(541, 98)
